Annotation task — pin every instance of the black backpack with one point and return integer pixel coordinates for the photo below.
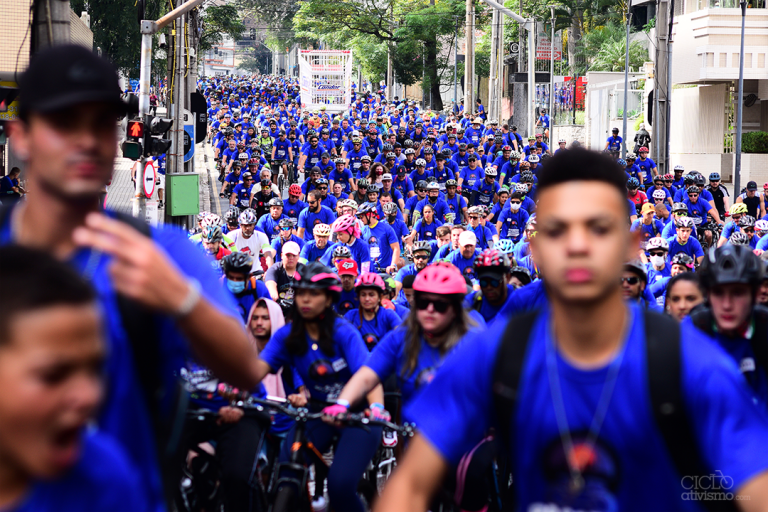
(664, 379)
(167, 408)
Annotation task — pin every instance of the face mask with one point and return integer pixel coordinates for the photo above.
(514, 206)
(657, 261)
(235, 286)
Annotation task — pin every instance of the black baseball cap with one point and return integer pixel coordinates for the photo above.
(66, 75)
(751, 185)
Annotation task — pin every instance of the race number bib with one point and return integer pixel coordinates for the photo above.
(513, 232)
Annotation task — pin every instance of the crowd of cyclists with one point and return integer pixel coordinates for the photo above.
(415, 229)
(381, 261)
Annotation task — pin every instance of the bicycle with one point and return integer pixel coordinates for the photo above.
(292, 493)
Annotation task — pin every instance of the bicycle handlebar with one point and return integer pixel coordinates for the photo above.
(302, 414)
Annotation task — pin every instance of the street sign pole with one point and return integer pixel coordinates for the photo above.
(148, 29)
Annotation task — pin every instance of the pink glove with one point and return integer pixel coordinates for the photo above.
(378, 412)
(334, 410)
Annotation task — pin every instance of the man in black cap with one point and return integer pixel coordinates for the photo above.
(150, 281)
(753, 200)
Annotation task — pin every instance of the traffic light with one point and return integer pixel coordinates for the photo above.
(155, 142)
(134, 134)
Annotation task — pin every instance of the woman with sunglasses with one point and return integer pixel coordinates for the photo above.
(325, 351)
(414, 351)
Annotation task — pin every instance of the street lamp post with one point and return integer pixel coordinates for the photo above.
(739, 106)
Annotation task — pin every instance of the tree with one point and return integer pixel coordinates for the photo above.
(218, 21)
(603, 49)
(115, 29)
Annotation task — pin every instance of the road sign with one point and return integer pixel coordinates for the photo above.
(150, 177)
(189, 147)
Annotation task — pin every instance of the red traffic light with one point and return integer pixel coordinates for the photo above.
(135, 129)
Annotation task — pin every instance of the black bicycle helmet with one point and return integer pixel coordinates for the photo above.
(522, 273)
(238, 262)
(633, 183)
(316, 276)
(682, 259)
(731, 264)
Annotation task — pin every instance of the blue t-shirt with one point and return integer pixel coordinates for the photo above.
(308, 220)
(311, 252)
(102, 479)
(427, 231)
(729, 429)
(347, 302)
(388, 358)
(374, 330)
(487, 310)
(465, 265)
(323, 374)
(277, 245)
(124, 414)
(692, 247)
(379, 239)
(513, 224)
(293, 210)
(484, 236)
(614, 143)
(247, 297)
(361, 253)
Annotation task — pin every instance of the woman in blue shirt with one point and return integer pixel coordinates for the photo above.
(415, 350)
(370, 318)
(325, 351)
(426, 227)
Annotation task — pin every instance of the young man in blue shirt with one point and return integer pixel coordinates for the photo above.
(573, 427)
(66, 135)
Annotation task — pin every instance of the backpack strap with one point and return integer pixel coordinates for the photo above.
(664, 362)
(507, 372)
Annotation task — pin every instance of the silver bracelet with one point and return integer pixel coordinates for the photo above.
(190, 301)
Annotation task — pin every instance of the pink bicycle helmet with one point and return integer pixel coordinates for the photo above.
(370, 280)
(440, 280)
(348, 224)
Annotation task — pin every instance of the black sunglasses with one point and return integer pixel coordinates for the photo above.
(440, 306)
(489, 281)
(656, 253)
(630, 280)
(420, 257)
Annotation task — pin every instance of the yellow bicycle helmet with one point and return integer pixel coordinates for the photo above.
(738, 209)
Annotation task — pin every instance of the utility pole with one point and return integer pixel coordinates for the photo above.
(50, 24)
(552, 76)
(390, 66)
(493, 100)
(626, 89)
(456, 62)
(176, 153)
(469, 58)
(739, 107)
(662, 87)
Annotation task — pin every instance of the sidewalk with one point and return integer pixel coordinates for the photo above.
(121, 191)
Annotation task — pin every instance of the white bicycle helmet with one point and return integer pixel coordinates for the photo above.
(322, 230)
(490, 171)
(211, 220)
(659, 194)
(247, 217)
(657, 243)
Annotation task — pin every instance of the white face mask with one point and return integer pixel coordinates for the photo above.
(657, 261)
(514, 206)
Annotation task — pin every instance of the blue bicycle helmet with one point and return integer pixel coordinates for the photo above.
(633, 183)
(621, 162)
(715, 176)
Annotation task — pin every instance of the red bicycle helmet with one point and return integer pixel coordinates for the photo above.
(643, 149)
(440, 280)
(370, 280)
(294, 190)
(491, 259)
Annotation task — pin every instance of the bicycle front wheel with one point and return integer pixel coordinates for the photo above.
(286, 500)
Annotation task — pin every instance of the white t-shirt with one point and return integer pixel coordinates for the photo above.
(255, 245)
